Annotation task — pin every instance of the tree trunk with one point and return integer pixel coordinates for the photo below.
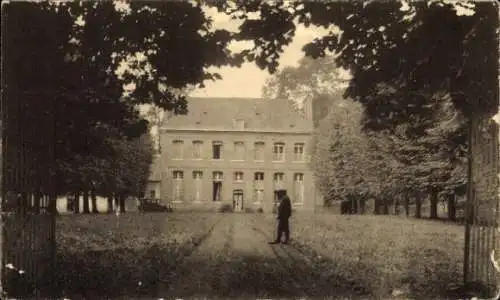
(38, 196)
(110, 203)
(434, 204)
(69, 203)
(94, 203)
(76, 203)
(376, 206)
(117, 202)
(122, 203)
(418, 208)
(53, 204)
(452, 211)
(396, 206)
(407, 204)
(386, 206)
(354, 201)
(86, 208)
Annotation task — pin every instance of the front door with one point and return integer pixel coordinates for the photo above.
(237, 200)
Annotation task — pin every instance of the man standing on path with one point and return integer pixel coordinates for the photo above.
(284, 213)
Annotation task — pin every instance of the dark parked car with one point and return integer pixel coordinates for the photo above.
(153, 205)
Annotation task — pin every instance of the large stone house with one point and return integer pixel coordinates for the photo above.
(236, 152)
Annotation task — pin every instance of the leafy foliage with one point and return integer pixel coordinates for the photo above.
(348, 162)
(418, 154)
(93, 64)
(80, 57)
(399, 54)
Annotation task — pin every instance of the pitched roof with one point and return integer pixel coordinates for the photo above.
(155, 171)
(257, 114)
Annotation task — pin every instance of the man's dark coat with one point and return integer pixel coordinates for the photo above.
(284, 208)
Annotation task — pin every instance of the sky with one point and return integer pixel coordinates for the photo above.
(249, 80)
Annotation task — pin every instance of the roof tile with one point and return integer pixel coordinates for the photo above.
(221, 114)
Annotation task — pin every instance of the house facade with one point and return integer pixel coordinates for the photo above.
(153, 187)
(237, 153)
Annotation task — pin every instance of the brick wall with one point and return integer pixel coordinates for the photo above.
(228, 166)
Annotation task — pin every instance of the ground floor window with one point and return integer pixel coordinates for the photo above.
(298, 188)
(258, 195)
(197, 190)
(217, 191)
(178, 190)
(178, 185)
(198, 183)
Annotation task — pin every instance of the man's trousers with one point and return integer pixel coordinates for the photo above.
(283, 228)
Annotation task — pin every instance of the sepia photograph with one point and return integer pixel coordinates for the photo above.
(248, 149)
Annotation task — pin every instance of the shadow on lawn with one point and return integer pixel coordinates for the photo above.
(154, 272)
(108, 274)
(371, 279)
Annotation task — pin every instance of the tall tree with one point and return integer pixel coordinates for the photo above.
(418, 49)
(88, 62)
(426, 160)
(345, 162)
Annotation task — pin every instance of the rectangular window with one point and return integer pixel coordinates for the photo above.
(198, 175)
(258, 188)
(217, 150)
(217, 191)
(258, 196)
(239, 124)
(217, 176)
(197, 149)
(298, 188)
(278, 181)
(152, 194)
(239, 151)
(179, 175)
(298, 177)
(278, 176)
(177, 150)
(198, 184)
(178, 186)
(279, 152)
(298, 152)
(238, 176)
(259, 151)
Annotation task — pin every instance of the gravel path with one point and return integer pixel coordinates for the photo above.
(235, 261)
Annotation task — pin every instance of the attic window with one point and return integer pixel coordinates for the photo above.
(239, 124)
(198, 122)
(292, 125)
(257, 113)
(204, 112)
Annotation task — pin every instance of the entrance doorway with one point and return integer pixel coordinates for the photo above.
(217, 191)
(237, 200)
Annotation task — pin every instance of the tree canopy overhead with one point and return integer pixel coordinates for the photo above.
(399, 54)
(76, 59)
(79, 57)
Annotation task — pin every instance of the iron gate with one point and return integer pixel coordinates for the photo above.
(481, 235)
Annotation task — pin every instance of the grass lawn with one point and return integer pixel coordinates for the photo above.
(127, 255)
(379, 255)
(371, 256)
